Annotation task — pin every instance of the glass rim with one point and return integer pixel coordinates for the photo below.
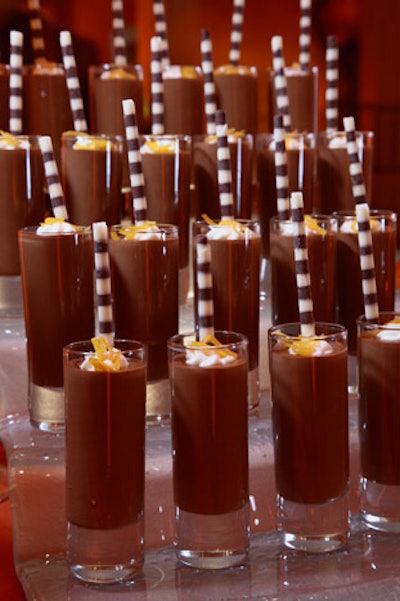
(375, 323)
(335, 329)
(78, 346)
(174, 344)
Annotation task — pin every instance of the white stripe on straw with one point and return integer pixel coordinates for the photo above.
(36, 27)
(355, 167)
(210, 96)
(305, 35)
(281, 93)
(205, 305)
(332, 84)
(104, 300)
(53, 178)
(15, 98)
(224, 170)
(236, 31)
(134, 161)
(73, 85)
(160, 24)
(157, 87)
(118, 28)
(303, 280)
(367, 262)
(281, 170)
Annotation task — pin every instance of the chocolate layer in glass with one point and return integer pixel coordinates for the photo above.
(205, 176)
(145, 290)
(350, 300)
(166, 164)
(46, 105)
(237, 95)
(321, 245)
(379, 399)
(209, 434)
(57, 281)
(91, 174)
(334, 190)
(300, 151)
(309, 416)
(22, 195)
(105, 426)
(302, 89)
(183, 100)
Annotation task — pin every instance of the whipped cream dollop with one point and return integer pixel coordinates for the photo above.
(52, 225)
(207, 358)
(104, 357)
(311, 348)
(228, 229)
(392, 334)
(312, 227)
(9, 141)
(350, 226)
(148, 230)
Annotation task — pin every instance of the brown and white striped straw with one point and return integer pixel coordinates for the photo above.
(52, 178)
(281, 170)
(355, 167)
(281, 93)
(156, 87)
(118, 29)
(205, 304)
(73, 85)
(160, 23)
(104, 300)
(224, 169)
(210, 95)
(332, 84)
(303, 280)
(367, 263)
(15, 98)
(236, 31)
(305, 35)
(36, 28)
(134, 161)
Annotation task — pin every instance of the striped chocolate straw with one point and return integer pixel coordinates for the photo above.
(205, 304)
(118, 29)
(305, 302)
(236, 31)
(281, 170)
(367, 263)
(104, 300)
(73, 85)
(278, 64)
(355, 167)
(134, 161)
(305, 35)
(156, 87)
(15, 98)
(160, 24)
(224, 170)
(210, 96)
(52, 178)
(36, 27)
(332, 84)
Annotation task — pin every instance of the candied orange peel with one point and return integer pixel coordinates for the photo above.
(301, 345)
(165, 147)
(236, 225)
(118, 73)
(54, 220)
(312, 225)
(86, 141)
(128, 232)
(211, 342)
(9, 138)
(106, 357)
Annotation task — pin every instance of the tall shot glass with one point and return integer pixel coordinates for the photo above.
(310, 425)
(379, 420)
(105, 440)
(210, 449)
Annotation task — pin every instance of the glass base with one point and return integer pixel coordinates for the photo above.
(380, 506)
(11, 303)
(212, 541)
(106, 556)
(314, 528)
(46, 408)
(158, 401)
